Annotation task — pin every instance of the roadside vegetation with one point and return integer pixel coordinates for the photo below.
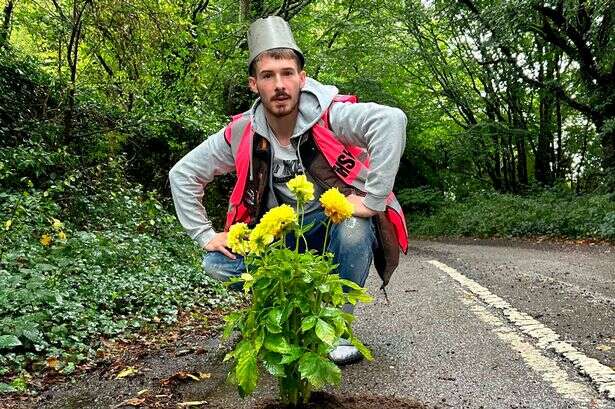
(545, 213)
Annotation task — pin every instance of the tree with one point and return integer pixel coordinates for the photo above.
(583, 31)
(5, 30)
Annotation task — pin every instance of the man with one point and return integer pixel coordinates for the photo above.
(274, 141)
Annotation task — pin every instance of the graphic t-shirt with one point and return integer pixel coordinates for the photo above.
(285, 166)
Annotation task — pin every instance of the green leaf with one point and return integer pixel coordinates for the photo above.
(231, 323)
(246, 373)
(350, 284)
(294, 354)
(325, 332)
(258, 341)
(277, 343)
(271, 362)
(4, 388)
(362, 348)
(262, 283)
(354, 296)
(274, 321)
(9, 341)
(20, 384)
(330, 312)
(318, 370)
(308, 323)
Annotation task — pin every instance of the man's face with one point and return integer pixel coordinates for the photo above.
(278, 83)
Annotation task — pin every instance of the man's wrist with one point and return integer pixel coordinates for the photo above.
(374, 203)
(204, 238)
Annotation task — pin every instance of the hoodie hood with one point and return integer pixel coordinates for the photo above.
(314, 100)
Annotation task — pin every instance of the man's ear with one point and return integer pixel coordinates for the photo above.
(302, 76)
(252, 84)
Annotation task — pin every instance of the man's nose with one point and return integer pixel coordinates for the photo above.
(278, 82)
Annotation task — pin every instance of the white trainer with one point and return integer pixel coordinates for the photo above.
(345, 353)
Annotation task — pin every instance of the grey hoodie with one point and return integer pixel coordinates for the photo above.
(378, 128)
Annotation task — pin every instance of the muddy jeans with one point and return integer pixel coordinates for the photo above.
(350, 241)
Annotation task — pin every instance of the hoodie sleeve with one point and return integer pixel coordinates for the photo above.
(382, 131)
(188, 179)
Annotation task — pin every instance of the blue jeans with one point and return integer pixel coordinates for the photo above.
(351, 242)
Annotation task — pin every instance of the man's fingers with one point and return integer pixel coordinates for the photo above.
(227, 253)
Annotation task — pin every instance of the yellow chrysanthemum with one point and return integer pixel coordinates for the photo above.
(336, 206)
(62, 236)
(272, 225)
(46, 239)
(278, 219)
(260, 238)
(238, 238)
(56, 224)
(301, 188)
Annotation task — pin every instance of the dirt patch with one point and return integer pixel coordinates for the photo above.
(150, 372)
(324, 400)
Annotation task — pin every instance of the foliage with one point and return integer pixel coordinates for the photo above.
(423, 200)
(84, 254)
(550, 213)
(294, 319)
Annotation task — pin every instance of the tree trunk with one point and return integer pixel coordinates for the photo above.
(606, 130)
(72, 58)
(519, 129)
(545, 164)
(244, 10)
(6, 23)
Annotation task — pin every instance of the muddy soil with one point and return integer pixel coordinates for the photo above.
(324, 400)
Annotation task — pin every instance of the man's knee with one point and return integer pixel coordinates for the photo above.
(355, 231)
(220, 267)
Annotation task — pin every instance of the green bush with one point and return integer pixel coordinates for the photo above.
(85, 254)
(547, 213)
(423, 200)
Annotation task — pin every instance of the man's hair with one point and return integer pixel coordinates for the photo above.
(276, 54)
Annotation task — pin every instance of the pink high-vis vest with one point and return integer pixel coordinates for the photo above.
(350, 164)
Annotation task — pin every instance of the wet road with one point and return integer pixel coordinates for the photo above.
(458, 330)
(488, 324)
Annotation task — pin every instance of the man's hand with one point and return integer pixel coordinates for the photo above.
(218, 243)
(360, 210)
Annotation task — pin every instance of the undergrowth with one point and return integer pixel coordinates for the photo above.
(550, 213)
(84, 255)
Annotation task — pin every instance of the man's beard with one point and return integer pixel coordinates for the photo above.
(271, 107)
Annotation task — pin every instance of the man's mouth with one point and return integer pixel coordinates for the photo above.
(281, 97)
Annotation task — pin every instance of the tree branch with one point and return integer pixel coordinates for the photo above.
(583, 53)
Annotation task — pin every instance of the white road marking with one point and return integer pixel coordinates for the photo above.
(601, 375)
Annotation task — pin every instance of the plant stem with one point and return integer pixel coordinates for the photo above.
(324, 245)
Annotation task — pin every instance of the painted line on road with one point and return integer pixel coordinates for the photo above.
(546, 367)
(601, 375)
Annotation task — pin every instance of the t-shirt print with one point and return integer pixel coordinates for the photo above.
(285, 170)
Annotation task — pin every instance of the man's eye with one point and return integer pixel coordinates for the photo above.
(266, 76)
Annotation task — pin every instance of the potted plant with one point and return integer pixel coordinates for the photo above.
(294, 318)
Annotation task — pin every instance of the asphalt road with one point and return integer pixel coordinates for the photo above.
(487, 324)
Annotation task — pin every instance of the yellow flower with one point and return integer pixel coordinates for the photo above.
(276, 220)
(272, 225)
(56, 224)
(260, 238)
(238, 238)
(7, 224)
(62, 235)
(301, 188)
(336, 206)
(46, 239)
